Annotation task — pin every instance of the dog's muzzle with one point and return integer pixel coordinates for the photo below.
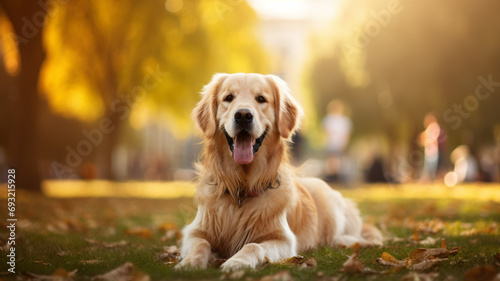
(244, 146)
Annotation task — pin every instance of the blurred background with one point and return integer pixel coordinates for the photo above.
(394, 91)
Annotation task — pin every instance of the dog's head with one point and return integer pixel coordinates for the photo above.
(247, 108)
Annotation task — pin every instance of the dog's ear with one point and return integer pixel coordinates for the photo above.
(288, 111)
(204, 114)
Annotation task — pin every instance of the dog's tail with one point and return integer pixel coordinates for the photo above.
(372, 235)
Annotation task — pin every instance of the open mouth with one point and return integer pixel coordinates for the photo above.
(244, 146)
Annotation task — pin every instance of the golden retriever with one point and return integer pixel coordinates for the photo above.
(251, 203)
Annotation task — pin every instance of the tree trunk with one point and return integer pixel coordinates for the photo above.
(27, 19)
(110, 142)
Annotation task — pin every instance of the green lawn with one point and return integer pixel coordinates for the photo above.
(96, 235)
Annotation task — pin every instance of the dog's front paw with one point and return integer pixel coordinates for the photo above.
(236, 264)
(191, 264)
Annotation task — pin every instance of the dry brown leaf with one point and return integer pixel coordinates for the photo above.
(413, 276)
(388, 263)
(422, 254)
(443, 244)
(425, 265)
(482, 272)
(42, 262)
(125, 272)
(295, 260)
(58, 275)
(298, 260)
(278, 276)
(353, 264)
(309, 263)
(429, 241)
(140, 231)
(389, 258)
(171, 255)
(419, 259)
(171, 231)
(415, 236)
(167, 226)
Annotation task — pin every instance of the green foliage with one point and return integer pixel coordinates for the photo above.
(100, 51)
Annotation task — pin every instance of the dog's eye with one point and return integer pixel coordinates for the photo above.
(229, 98)
(261, 99)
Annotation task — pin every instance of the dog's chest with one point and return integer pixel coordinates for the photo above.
(230, 227)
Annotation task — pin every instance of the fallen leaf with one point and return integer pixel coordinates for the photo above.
(480, 273)
(389, 258)
(278, 276)
(42, 262)
(443, 244)
(422, 254)
(58, 275)
(415, 236)
(124, 272)
(413, 276)
(171, 231)
(425, 265)
(298, 260)
(353, 264)
(309, 263)
(167, 226)
(295, 260)
(171, 255)
(420, 259)
(140, 231)
(64, 273)
(429, 241)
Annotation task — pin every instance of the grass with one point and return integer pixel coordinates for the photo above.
(69, 233)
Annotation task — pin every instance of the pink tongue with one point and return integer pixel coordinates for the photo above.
(243, 149)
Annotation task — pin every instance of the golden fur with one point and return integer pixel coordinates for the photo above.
(290, 214)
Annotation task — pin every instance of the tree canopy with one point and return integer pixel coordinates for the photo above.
(394, 61)
(100, 54)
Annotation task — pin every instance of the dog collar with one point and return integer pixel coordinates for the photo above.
(243, 195)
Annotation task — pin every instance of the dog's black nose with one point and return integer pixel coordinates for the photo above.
(243, 117)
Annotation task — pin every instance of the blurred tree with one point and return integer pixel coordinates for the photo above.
(394, 61)
(27, 20)
(108, 61)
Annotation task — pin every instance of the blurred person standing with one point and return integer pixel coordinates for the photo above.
(337, 127)
(465, 165)
(432, 140)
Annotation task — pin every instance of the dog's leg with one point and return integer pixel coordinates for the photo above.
(253, 254)
(276, 245)
(198, 256)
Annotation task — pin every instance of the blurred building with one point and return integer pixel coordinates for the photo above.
(286, 29)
